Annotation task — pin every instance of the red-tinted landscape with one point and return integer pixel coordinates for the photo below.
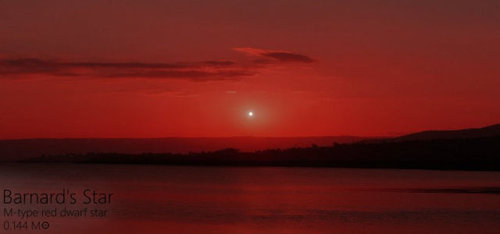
(251, 116)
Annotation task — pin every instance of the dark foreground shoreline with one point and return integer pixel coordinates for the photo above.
(283, 165)
(444, 154)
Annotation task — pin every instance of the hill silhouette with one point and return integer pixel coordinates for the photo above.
(468, 149)
(29, 148)
(465, 150)
(489, 131)
(447, 154)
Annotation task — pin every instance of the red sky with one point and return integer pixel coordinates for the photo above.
(195, 68)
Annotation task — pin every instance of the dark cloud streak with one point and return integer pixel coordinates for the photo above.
(289, 57)
(196, 71)
(210, 70)
(275, 56)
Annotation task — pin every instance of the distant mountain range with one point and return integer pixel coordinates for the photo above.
(30, 148)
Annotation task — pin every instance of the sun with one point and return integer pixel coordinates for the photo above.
(250, 114)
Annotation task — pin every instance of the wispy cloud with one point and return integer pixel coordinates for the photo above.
(210, 70)
(276, 55)
(195, 71)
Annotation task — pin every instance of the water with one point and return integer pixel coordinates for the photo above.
(150, 199)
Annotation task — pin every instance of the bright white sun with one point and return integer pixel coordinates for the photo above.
(250, 114)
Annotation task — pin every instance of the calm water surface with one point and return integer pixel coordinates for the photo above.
(168, 199)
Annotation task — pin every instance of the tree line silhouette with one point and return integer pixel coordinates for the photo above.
(444, 154)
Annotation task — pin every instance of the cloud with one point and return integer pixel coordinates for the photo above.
(289, 57)
(277, 56)
(200, 71)
(195, 71)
